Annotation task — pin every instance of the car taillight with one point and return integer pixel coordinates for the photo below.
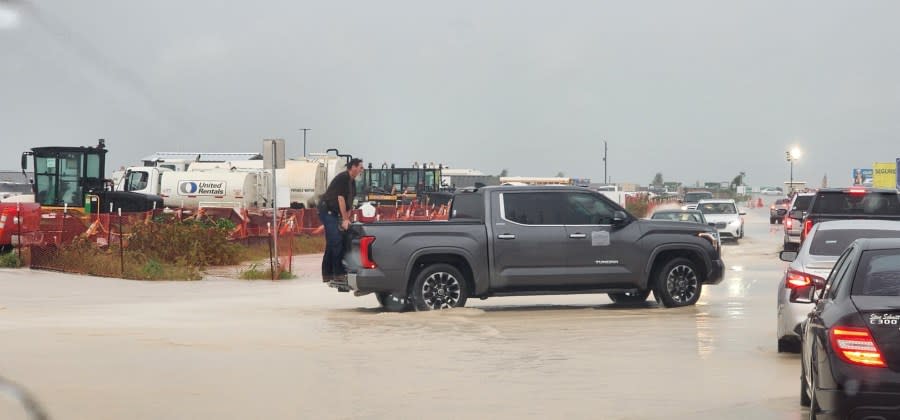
(788, 222)
(855, 345)
(857, 191)
(365, 252)
(797, 279)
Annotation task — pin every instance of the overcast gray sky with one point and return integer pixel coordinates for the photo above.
(697, 90)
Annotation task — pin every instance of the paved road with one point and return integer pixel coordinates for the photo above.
(93, 348)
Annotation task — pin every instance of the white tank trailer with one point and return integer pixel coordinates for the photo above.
(235, 184)
(191, 190)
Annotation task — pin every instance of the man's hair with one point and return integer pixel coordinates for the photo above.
(353, 162)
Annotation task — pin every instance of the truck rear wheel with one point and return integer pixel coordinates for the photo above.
(439, 286)
(392, 303)
(630, 297)
(678, 283)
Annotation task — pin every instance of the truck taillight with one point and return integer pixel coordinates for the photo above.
(365, 252)
(807, 226)
(855, 345)
(788, 222)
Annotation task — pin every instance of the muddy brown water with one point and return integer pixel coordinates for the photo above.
(93, 348)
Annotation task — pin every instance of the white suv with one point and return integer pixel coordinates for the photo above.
(724, 213)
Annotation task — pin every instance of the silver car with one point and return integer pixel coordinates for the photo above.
(813, 263)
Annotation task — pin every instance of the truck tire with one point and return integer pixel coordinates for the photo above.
(677, 283)
(439, 286)
(629, 298)
(392, 303)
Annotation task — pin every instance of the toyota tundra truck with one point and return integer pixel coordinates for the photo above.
(524, 240)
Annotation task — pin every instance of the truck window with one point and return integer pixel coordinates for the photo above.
(586, 209)
(467, 206)
(136, 181)
(802, 202)
(878, 274)
(868, 203)
(540, 208)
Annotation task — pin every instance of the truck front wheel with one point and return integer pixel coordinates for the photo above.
(677, 283)
(439, 286)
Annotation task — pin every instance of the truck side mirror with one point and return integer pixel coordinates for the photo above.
(24, 161)
(619, 217)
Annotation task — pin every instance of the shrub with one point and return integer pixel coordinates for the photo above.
(638, 206)
(10, 260)
(198, 243)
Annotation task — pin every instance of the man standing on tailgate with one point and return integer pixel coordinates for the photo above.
(334, 212)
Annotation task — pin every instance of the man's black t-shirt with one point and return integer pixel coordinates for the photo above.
(341, 185)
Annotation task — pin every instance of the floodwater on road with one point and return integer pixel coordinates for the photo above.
(94, 348)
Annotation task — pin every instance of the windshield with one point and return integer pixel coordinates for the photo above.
(694, 197)
(717, 208)
(679, 216)
(871, 203)
(832, 242)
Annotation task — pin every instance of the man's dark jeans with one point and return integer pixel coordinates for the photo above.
(332, 261)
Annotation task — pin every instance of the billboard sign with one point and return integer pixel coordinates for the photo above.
(885, 175)
(862, 176)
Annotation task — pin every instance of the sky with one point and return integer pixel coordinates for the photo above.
(695, 90)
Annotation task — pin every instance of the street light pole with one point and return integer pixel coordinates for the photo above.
(304, 130)
(605, 179)
(792, 155)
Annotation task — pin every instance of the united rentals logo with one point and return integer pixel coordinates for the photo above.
(201, 187)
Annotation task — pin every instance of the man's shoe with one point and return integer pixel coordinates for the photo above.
(327, 278)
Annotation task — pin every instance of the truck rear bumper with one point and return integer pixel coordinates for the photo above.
(375, 280)
(716, 273)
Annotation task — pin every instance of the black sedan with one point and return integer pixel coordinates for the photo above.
(851, 342)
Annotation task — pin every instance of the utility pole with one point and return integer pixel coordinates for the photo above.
(605, 179)
(304, 130)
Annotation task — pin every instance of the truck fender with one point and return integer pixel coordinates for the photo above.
(479, 286)
(696, 249)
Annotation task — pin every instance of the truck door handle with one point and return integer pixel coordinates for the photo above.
(578, 236)
(506, 236)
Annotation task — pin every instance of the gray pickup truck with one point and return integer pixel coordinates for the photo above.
(514, 240)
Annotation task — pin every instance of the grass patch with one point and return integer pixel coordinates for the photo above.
(254, 273)
(10, 260)
(255, 249)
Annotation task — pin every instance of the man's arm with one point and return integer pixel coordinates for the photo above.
(345, 215)
(342, 204)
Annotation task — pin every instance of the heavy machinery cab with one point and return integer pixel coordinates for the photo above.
(75, 177)
(64, 175)
(389, 185)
